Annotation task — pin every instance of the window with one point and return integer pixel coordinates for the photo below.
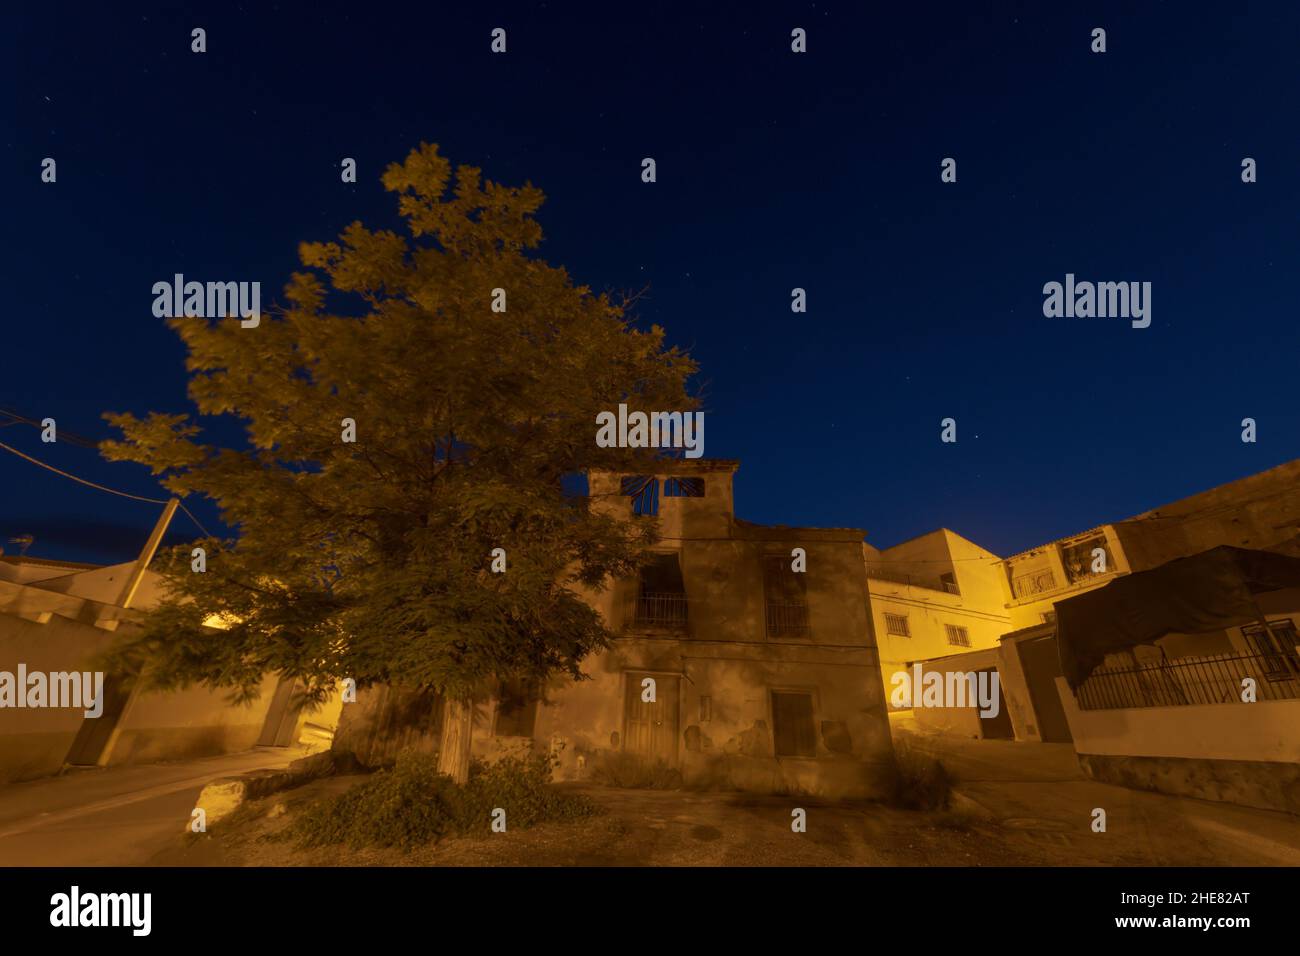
(896, 624)
(957, 635)
(948, 582)
(661, 593)
(516, 709)
(683, 487)
(1279, 656)
(644, 492)
(785, 597)
(1080, 561)
(792, 725)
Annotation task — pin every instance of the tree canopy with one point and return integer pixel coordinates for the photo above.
(371, 559)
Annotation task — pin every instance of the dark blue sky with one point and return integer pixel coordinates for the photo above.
(775, 170)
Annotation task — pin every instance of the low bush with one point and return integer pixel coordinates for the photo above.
(413, 804)
(922, 782)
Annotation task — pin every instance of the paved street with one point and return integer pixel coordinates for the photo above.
(112, 816)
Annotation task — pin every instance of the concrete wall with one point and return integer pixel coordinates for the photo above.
(185, 724)
(965, 721)
(51, 630)
(1241, 753)
(34, 741)
(1263, 731)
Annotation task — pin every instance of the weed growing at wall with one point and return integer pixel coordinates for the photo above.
(923, 782)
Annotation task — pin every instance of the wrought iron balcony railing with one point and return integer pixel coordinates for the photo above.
(661, 609)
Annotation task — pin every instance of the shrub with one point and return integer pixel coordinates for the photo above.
(413, 804)
(922, 782)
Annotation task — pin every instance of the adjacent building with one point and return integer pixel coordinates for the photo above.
(56, 617)
(932, 596)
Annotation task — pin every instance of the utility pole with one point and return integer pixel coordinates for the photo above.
(121, 691)
(150, 547)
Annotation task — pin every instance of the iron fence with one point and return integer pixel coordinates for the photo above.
(1182, 681)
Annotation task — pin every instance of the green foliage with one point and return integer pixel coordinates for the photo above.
(413, 804)
(922, 782)
(369, 559)
(618, 768)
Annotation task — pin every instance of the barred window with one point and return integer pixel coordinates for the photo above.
(896, 624)
(644, 492)
(1278, 648)
(683, 487)
(957, 635)
(785, 598)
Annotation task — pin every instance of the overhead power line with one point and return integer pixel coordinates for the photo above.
(98, 487)
(64, 435)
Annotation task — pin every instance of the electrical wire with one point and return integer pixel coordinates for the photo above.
(98, 487)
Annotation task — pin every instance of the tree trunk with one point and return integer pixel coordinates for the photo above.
(457, 724)
(386, 720)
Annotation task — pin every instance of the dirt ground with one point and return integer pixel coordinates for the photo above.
(638, 828)
(1014, 804)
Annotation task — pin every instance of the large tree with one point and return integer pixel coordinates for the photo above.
(371, 559)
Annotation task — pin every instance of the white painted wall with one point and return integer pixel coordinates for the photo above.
(1266, 730)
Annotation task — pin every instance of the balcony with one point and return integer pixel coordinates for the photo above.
(660, 609)
(1036, 582)
(914, 580)
(787, 619)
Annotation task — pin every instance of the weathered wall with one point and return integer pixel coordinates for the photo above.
(34, 741)
(185, 724)
(727, 742)
(1259, 511)
(1268, 786)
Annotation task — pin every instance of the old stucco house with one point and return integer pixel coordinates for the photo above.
(756, 641)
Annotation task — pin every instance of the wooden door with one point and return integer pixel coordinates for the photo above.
(650, 727)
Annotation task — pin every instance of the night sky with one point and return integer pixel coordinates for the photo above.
(775, 170)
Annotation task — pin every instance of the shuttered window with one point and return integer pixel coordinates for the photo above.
(792, 725)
